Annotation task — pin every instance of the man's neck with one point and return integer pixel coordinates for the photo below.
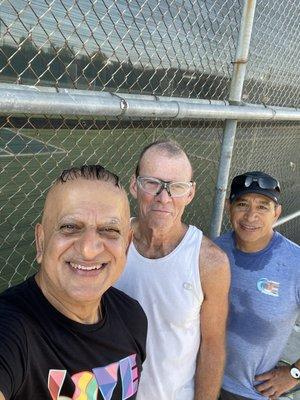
(253, 247)
(156, 243)
(87, 313)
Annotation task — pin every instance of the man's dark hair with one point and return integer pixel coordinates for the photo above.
(168, 145)
(90, 172)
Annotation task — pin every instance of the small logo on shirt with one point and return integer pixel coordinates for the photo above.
(268, 287)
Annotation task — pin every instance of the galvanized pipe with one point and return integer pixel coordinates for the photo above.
(287, 218)
(75, 92)
(43, 101)
(235, 96)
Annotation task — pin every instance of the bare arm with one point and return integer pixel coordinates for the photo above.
(215, 280)
(1, 396)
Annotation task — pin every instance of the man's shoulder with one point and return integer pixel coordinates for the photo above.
(224, 240)
(123, 302)
(287, 249)
(214, 268)
(20, 305)
(212, 255)
(15, 295)
(294, 247)
(12, 318)
(129, 311)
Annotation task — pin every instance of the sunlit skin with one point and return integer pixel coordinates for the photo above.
(81, 245)
(160, 216)
(252, 216)
(158, 230)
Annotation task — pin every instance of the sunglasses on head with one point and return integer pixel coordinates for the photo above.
(264, 182)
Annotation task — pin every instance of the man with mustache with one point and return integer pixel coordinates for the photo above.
(264, 295)
(180, 278)
(65, 333)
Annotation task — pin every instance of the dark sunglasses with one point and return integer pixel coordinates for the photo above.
(264, 182)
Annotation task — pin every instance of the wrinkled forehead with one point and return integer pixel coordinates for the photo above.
(82, 195)
(155, 158)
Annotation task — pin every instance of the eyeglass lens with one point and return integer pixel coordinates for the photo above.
(156, 186)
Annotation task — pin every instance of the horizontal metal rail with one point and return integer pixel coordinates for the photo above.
(287, 218)
(19, 99)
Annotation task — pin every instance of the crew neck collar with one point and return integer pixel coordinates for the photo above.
(259, 252)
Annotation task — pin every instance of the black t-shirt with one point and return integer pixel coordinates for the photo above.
(45, 355)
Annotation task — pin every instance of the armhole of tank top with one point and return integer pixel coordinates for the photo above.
(195, 272)
(132, 246)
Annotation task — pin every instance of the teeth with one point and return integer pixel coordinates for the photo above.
(85, 268)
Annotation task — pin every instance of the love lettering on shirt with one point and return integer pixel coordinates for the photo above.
(103, 379)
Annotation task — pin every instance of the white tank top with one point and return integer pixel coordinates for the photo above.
(170, 292)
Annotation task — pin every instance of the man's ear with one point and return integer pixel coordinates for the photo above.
(191, 195)
(39, 242)
(133, 186)
(278, 210)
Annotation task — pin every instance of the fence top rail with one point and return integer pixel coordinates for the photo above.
(21, 99)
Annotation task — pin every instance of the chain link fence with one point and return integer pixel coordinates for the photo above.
(180, 50)
(162, 47)
(273, 148)
(273, 71)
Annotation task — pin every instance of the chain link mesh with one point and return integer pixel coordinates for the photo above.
(273, 72)
(27, 176)
(273, 148)
(170, 48)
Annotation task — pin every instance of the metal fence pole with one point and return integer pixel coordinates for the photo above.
(235, 96)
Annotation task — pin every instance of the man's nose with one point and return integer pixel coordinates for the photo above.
(251, 214)
(163, 196)
(89, 244)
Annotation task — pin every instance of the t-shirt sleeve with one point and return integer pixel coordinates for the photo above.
(292, 254)
(13, 350)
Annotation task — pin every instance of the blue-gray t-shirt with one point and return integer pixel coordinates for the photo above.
(264, 304)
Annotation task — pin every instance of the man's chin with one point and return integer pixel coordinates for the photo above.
(86, 295)
(163, 223)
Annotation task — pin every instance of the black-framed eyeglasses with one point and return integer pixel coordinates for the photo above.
(264, 182)
(155, 186)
